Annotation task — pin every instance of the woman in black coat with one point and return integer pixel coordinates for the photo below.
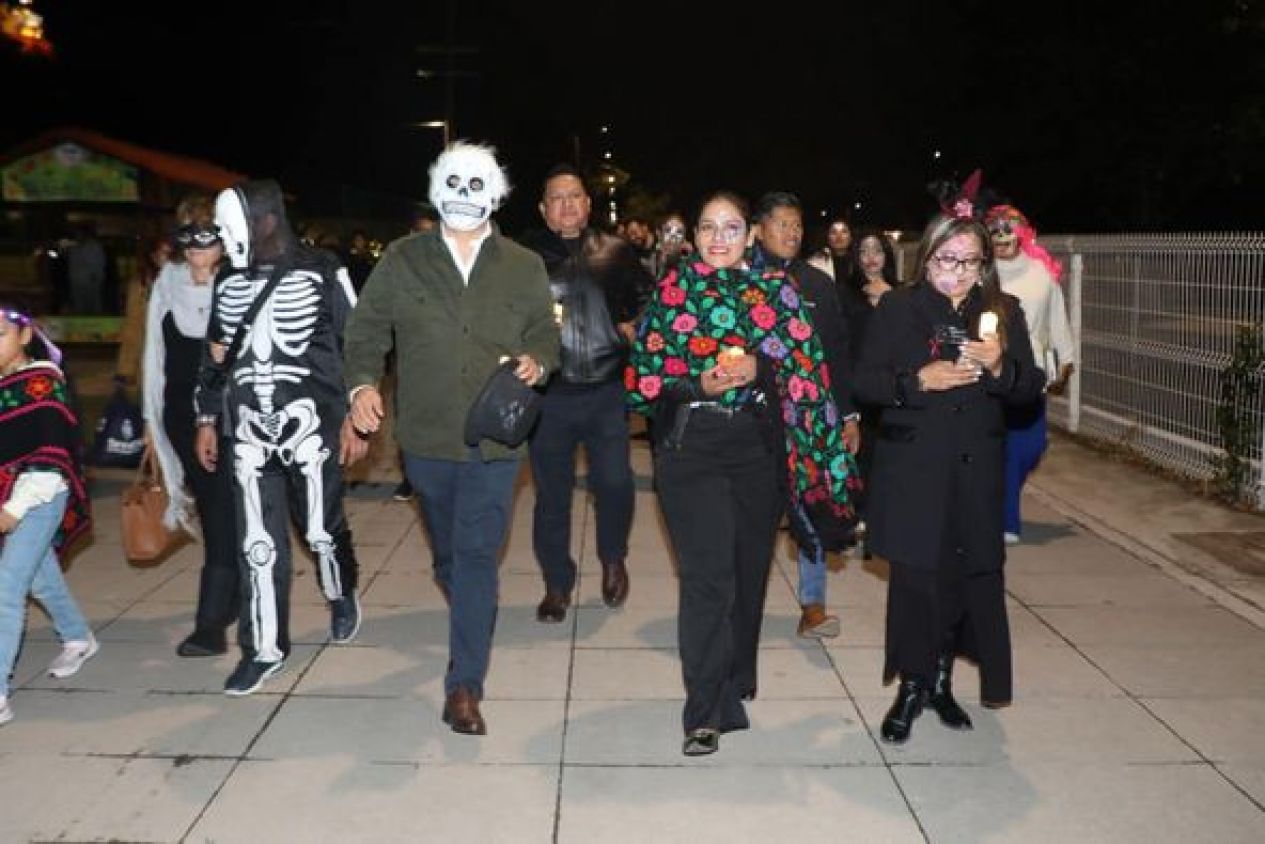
(936, 489)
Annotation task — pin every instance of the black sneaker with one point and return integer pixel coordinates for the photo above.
(249, 675)
(403, 492)
(344, 619)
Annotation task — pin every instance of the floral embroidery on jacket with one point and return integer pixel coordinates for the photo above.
(697, 311)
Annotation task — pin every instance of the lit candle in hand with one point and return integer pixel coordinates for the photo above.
(987, 324)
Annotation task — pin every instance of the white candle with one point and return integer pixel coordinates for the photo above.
(987, 324)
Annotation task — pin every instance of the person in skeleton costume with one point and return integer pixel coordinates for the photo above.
(456, 300)
(276, 394)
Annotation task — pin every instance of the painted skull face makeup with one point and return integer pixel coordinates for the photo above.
(467, 185)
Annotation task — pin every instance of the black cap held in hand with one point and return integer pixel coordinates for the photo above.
(505, 410)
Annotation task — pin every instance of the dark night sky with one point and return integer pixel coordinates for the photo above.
(1091, 116)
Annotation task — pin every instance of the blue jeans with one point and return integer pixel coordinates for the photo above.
(812, 577)
(1025, 443)
(467, 511)
(28, 565)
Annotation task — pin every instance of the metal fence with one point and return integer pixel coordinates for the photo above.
(1155, 319)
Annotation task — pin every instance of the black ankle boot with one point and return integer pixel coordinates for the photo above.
(911, 696)
(941, 698)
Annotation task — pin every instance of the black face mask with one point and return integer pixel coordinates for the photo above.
(197, 236)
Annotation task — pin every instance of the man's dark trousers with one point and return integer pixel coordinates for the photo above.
(595, 416)
(467, 510)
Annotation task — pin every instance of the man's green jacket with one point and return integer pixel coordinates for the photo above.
(449, 337)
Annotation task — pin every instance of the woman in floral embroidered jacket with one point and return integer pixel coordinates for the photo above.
(728, 366)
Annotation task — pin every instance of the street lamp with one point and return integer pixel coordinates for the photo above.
(436, 124)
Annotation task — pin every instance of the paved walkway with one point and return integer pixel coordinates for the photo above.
(1140, 711)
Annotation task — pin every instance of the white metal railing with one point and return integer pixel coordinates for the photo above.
(1155, 320)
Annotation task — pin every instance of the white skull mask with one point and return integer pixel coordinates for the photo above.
(230, 216)
(467, 185)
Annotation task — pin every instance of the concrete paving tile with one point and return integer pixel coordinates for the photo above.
(122, 723)
(406, 629)
(1223, 729)
(1030, 629)
(1044, 730)
(1220, 670)
(627, 674)
(153, 622)
(783, 732)
(1163, 627)
(364, 671)
(1080, 553)
(410, 730)
(338, 799)
(797, 674)
(1250, 777)
(1091, 801)
(725, 804)
(1138, 590)
(515, 674)
(181, 587)
(132, 666)
(633, 626)
(860, 626)
(402, 589)
(1039, 673)
(119, 584)
(65, 798)
(99, 613)
(517, 627)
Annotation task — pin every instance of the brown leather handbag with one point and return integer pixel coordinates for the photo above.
(146, 540)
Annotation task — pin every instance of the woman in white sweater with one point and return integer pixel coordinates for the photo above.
(1030, 274)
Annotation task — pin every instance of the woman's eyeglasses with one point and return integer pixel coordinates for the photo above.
(952, 263)
(729, 232)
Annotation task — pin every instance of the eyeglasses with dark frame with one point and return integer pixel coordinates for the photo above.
(954, 264)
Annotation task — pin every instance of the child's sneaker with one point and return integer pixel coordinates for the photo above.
(6, 711)
(72, 657)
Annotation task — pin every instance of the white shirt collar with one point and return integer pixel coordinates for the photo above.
(465, 268)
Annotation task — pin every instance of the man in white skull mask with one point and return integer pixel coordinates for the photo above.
(455, 301)
(270, 384)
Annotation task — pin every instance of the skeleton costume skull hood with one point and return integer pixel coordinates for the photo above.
(467, 185)
(253, 224)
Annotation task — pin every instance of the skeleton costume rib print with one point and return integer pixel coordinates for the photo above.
(282, 405)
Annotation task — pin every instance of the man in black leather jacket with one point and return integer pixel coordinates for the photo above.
(597, 285)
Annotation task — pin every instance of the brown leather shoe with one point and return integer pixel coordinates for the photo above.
(614, 583)
(553, 607)
(461, 712)
(815, 624)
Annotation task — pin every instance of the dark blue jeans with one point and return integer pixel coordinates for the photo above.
(597, 418)
(1025, 443)
(467, 511)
